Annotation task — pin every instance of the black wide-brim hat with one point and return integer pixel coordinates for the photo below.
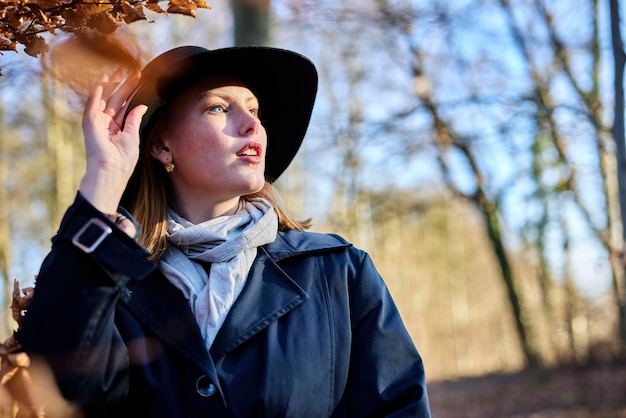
(284, 82)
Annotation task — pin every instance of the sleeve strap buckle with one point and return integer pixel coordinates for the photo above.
(91, 235)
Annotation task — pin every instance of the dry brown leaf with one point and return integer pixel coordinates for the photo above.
(154, 7)
(14, 19)
(47, 4)
(132, 12)
(182, 7)
(74, 22)
(35, 45)
(201, 4)
(20, 301)
(21, 21)
(104, 22)
(23, 384)
(6, 44)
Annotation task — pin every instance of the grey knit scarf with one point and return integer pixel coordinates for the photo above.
(229, 245)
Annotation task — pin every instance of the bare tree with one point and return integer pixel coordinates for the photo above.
(251, 21)
(505, 99)
(5, 225)
(620, 147)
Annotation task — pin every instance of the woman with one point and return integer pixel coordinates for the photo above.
(214, 302)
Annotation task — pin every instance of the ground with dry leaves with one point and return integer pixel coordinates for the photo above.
(567, 392)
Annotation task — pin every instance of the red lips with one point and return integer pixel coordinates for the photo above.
(252, 149)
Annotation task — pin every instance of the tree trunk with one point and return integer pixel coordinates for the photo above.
(5, 231)
(620, 147)
(251, 22)
(490, 213)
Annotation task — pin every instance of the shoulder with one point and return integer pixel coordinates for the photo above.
(328, 256)
(293, 243)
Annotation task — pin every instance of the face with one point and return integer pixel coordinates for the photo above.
(217, 143)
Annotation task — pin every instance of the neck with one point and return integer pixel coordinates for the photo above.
(198, 212)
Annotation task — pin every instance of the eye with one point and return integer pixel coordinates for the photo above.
(254, 112)
(218, 108)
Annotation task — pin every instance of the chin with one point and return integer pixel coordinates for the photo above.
(257, 189)
(255, 186)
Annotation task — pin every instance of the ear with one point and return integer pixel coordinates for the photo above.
(161, 151)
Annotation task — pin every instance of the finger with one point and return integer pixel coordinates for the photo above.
(133, 119)
(112, 102)
(114, 80)
(94, 100)
(126, 225)
(117, 101)
(123, 96)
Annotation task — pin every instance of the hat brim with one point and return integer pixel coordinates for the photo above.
(284, 82)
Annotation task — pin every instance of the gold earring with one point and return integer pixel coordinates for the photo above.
(169, 167)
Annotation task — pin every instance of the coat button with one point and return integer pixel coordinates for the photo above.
(205, 387)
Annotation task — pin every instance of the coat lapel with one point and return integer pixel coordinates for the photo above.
(268, 295)
(164, 310)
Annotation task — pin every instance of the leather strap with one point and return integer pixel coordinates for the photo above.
(103, 242)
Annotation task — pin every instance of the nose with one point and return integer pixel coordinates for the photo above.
(250, 124)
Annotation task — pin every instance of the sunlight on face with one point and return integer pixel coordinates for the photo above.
(217, 143)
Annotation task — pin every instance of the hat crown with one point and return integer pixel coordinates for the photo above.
(169, 61)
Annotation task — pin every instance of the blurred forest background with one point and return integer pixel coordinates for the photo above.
(467, 145)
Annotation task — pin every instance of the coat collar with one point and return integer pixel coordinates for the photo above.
(269, 293)
(293, 243)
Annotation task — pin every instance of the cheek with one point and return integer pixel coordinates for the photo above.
(192, 141)
(263, 137)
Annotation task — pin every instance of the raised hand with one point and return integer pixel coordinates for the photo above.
(111, 141)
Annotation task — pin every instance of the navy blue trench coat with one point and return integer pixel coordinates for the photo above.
(314, 333)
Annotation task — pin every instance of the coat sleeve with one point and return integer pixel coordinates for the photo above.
(386, 376)
(70, 320)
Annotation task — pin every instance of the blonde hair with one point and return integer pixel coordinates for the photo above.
(150, 203)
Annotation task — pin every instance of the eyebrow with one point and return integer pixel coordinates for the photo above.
(205, 95)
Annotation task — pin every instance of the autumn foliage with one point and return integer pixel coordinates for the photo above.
(27, 386)
(23, 21)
